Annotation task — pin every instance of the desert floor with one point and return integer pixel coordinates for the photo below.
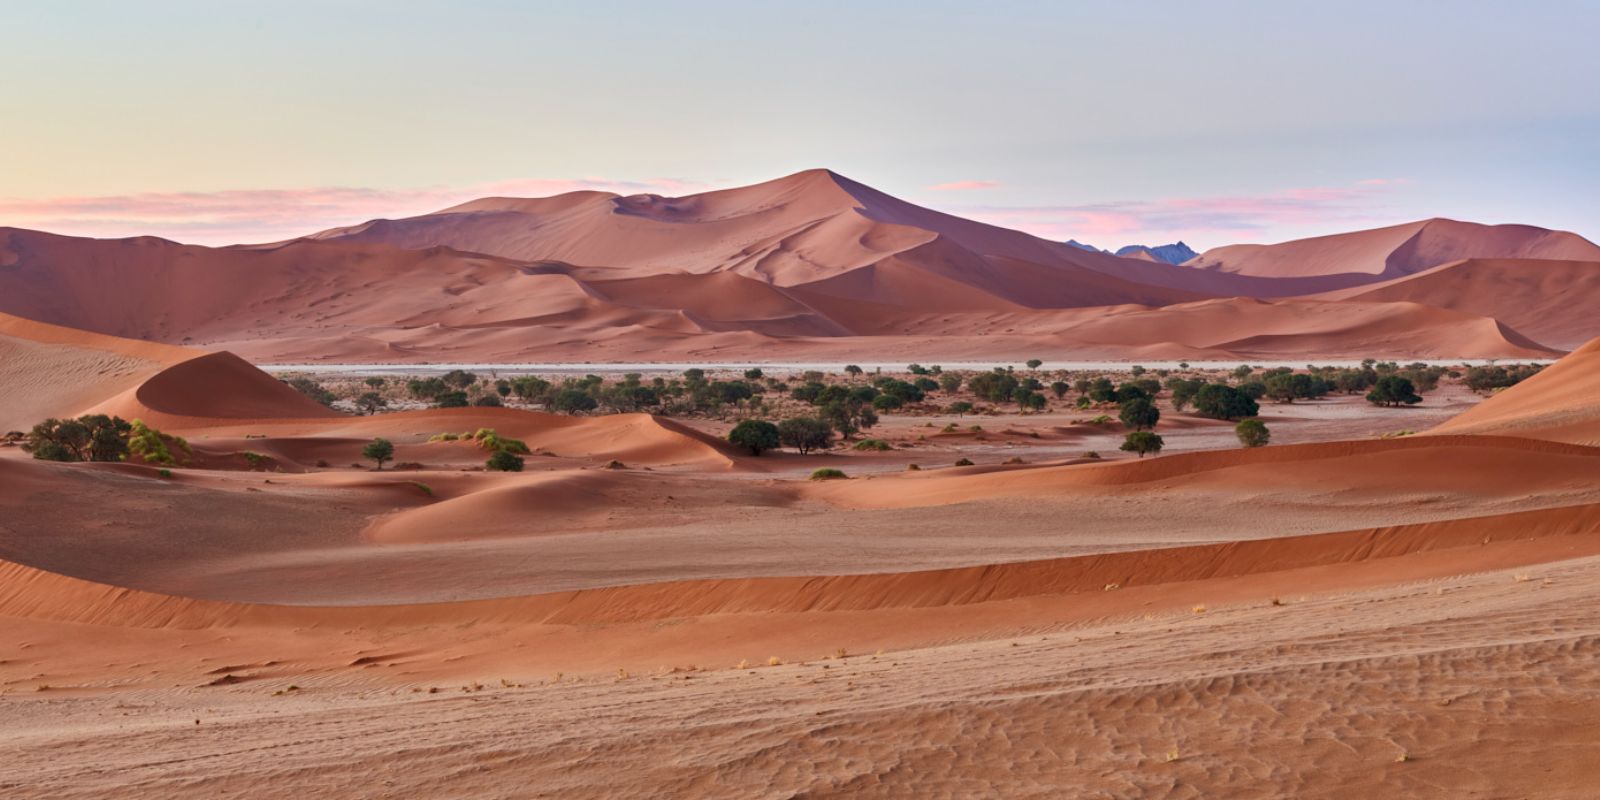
(647, 612)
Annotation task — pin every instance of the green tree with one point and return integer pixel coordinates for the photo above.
(1221, 401)
(1060, 389)
(572, 401)
(1139, 414)
(451, 400)
(950, 382)
(376, 382)
(1142, 442)
(1034, 363)
(379, 450)
(805, 434)
(1252, 432)
(754, 435)
(959, 408)
(996, 387)
(852, 370)
(1393, 390)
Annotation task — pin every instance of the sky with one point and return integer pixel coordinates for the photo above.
(1110, 122)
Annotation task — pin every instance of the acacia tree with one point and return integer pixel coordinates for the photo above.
(1393, 390)
(1142, 442)
(805, 434)
(754, 435)
(379, 450)
(1139, 414)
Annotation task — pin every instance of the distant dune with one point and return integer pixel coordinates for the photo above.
(810, 266)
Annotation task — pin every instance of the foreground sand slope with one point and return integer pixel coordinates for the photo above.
(1561, 403)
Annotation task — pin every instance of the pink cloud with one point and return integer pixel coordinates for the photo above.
(1385, 181)
(257, 215)
(1218, 218)
(962, 186)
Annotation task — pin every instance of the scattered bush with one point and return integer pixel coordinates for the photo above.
(963, 462)
(827, 474)
(1142, 442)
(504, 461)
(1252, 432)
(872, 444)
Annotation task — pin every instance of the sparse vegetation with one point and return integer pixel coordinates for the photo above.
(827, 474)
(1252, 432)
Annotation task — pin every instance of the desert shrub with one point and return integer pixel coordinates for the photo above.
(1028, 400)
(1091, 454)
(872, 444)
(503, 461)
(460, 379)
(805, 434)
(827, 474)
(423, 487)
(489, 440)
(572, 400)
(379, 450)
(950, 382)
(443, 437)
(755, 435)
(92, 437)
(959, 408)
(1220, 401)
(963, 462)
(996, 387)
(488, 401)
(451, 400)
(1252, 432)
(1060, 389)
(152, 446)
(1485, 379)
(913, 468)
(164, 472)
(1393, 390)
(1142, 442)
(426, 388)
(1103, 419)
(1139, 414)
(887, 402)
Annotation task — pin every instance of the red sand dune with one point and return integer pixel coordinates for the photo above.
(1561, 403)
(813, 263)
(1349, 259)
(46, 370)
(1541, 299)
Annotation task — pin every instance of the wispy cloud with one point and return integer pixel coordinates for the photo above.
(1219, 218)
(257, 215)
(962, 186)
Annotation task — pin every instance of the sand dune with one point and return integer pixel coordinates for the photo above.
(814, 263)
(46, 370)
(1561, 403)
(1351, 259)
(1534, 296)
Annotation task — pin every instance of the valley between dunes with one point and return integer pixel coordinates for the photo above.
(647, 611)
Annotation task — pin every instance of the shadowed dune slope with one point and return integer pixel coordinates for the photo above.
(1561, 404)
(26, 592)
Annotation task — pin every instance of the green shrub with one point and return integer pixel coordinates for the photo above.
(872, 444)
(504, 461)
(963, 462)
(827, 474)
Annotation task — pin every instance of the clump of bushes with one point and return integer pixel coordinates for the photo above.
(872, 444)
(504, 461)
(827, 474)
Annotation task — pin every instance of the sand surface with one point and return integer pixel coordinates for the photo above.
(646, 611)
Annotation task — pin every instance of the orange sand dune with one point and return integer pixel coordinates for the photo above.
(30, 593)
(813, 263)
(1474, 465)
(1327, 263)
(1561, 404)
(214, 386)
(47, 370)
(1539, 298)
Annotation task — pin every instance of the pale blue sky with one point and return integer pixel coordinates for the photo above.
(1113, 122)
